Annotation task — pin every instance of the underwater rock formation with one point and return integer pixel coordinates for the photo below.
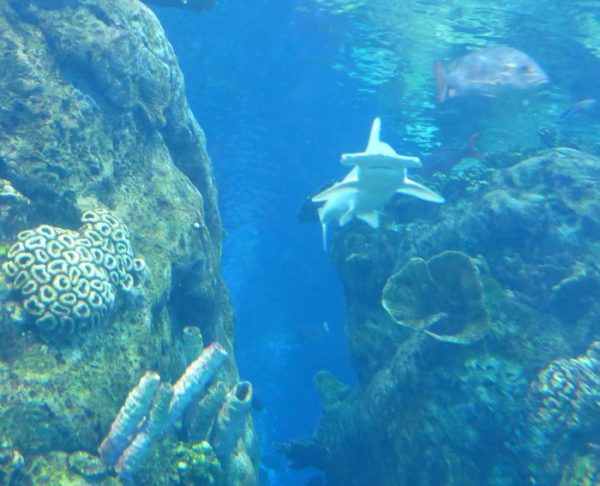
(197, 5)
(94, 114)
(517, 249)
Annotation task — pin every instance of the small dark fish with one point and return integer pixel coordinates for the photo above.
(587, 105)
(445, 159)
(487, 72)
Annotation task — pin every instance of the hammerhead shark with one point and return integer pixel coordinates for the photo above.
(377, 174)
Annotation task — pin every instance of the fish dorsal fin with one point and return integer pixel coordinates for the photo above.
(376, 146)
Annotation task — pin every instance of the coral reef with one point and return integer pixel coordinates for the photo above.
(509, 267)
(68, 280)
(94, 115)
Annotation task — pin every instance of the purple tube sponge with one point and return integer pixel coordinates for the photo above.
(136, 406)
(135, 454)
(231, 420)
(194, 379)
(149, 410)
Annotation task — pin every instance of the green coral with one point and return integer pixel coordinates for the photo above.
(67, 280)
(198, 464)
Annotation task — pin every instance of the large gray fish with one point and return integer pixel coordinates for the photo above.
(487, 72)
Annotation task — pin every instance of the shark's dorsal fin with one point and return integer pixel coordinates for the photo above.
(375, 135)
(375, 145)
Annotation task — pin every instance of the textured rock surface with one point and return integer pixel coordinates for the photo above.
(186, 4)
(94, 115)
(430, 412)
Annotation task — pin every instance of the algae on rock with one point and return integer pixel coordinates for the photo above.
(95, 115)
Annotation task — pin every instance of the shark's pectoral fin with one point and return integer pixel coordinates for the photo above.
(336, 190)
(371, 218)
(412, 188)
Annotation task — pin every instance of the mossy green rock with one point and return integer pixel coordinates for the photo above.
(94, 114)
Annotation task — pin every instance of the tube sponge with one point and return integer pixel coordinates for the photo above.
(231, 419)
(134, 455)
(194, 379)
(136, 406)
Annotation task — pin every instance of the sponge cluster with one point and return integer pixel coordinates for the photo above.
(68, 280)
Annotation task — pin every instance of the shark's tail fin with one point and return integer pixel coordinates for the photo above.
(415, 189)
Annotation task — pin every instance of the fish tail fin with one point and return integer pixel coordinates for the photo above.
(442, 81)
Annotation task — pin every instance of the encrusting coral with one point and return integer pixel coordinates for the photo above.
(567, 395)
(66, 281)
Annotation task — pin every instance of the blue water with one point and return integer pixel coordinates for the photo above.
(275, 118)
(281, 89)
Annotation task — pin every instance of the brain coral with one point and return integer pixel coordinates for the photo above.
(65, 281)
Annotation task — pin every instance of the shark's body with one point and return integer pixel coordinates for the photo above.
(378, 173)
